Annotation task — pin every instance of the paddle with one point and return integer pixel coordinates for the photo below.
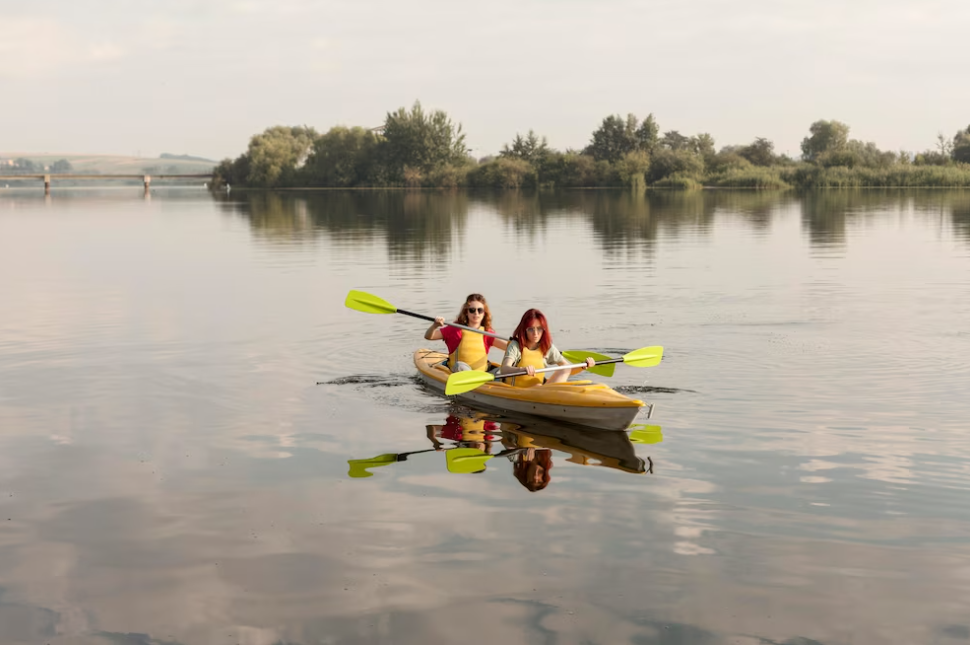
(472, 460)
(602, 367)
(460, 461)
(358, 467)
(371, 304)
(466, 460)
(460, 382)
(642, 433)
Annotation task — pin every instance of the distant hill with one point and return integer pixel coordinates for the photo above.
(166, 155)
(118, 164)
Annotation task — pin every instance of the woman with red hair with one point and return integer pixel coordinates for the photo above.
(531, 348)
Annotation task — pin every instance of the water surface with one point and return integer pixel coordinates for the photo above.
(171, 473)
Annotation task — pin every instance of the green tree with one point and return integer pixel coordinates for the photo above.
(24, 166)
(632, 169)
(277, 153)
(673, 140)
(826, 137)
(572, 170)
(667, 162)
(856, 154)
(231, 172)
(614, 138)
(944, 145)
(504, 172)
(961, 146)
(648, 135)
(931, 158)
(702, 144)
(761, 152)
(344, 157)
(416, 141)
(530, 148)
(61, 166)
(728, 159)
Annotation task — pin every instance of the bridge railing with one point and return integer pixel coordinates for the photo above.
(146, 179)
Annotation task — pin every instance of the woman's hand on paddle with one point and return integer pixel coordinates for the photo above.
(434, 331)
(590, 362)
(530, 370)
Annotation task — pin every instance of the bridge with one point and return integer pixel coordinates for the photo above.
(146, 179)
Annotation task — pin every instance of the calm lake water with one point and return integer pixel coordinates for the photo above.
(171, 473)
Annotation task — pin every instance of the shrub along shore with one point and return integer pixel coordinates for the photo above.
(415, 148)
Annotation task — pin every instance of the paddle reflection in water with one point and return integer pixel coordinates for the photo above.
(468, 440)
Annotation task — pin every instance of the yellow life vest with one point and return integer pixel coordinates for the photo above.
(533, 357)
(524, 441)
(472, 427)
(470, 350)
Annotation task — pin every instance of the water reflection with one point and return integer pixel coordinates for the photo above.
(417, 224)
(826, 213)
(470, 440)
(170, 474)
(959, 207)
(414, 223)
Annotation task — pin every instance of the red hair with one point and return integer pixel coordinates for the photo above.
(519, 334)
(542, 460)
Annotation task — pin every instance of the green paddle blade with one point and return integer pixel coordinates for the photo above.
(466, 381)
(641, 433)
(580, 356)
(645, 356)
(368, 303)
(358, 467)
(466, 460)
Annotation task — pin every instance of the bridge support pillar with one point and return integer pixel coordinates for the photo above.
(47, 184)
(148, 183)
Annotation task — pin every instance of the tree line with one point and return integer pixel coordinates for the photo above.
(23, 166)
(416, 148)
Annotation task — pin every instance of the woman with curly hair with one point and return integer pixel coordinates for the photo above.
(467, 351)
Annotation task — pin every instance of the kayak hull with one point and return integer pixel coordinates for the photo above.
(585, 403)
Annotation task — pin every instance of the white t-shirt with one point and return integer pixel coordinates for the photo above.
(552, 357)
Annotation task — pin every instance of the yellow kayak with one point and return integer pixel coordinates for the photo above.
(582, 402)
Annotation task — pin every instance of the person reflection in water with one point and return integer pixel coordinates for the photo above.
(466, 432)
(531, 467)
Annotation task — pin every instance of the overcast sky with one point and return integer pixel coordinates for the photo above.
(180, 76)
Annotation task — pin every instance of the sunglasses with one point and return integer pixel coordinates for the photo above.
(475, 310)
(535, 330)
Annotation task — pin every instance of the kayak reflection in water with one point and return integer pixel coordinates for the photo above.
(538, 441)
(469, 439)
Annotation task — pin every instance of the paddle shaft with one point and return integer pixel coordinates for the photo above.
(451, 324)
(403, 456)
(569, 366)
